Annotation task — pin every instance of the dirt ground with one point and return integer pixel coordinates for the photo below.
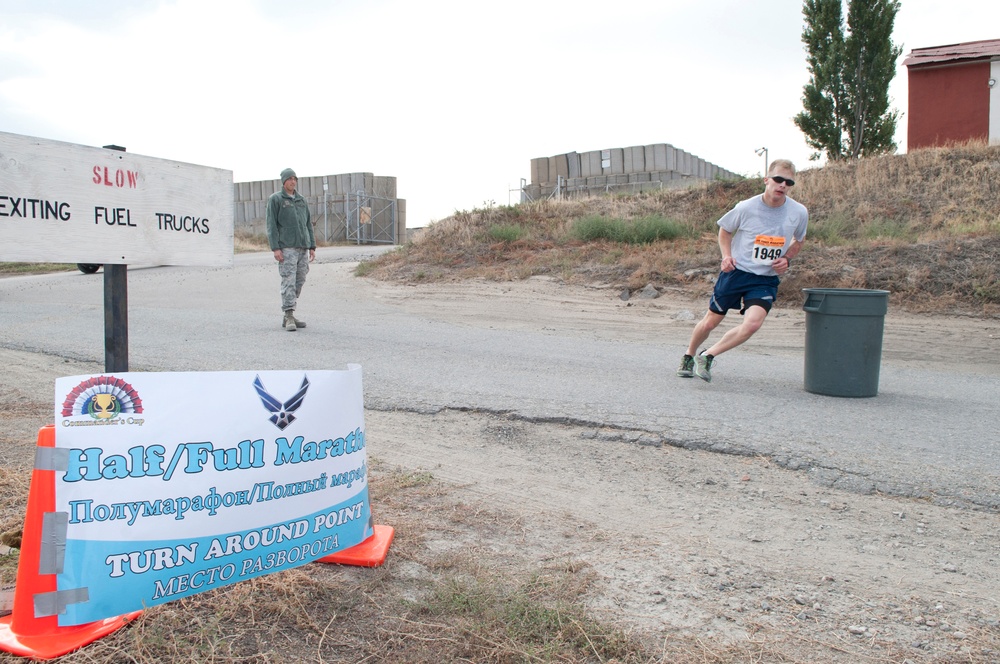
(687, 546)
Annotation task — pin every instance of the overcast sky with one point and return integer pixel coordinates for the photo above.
(453, 98)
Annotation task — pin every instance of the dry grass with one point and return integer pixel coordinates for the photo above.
(34, 268)
(13, 501)
(246, 242)
(923, 225)
(481, 600)
(933, 194)
(464, 604)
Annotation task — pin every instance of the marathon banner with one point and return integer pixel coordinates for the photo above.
(171, 484)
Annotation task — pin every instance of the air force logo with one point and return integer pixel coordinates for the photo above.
(282, 412)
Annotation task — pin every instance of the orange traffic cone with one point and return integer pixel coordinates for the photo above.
(369, 553)
(32, 629)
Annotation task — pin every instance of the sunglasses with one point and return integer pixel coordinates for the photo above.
(781, 180)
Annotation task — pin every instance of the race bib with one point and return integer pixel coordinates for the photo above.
(766, 248)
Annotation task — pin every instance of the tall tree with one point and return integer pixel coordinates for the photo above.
(870, 64)
(823, 96)
(846, 101)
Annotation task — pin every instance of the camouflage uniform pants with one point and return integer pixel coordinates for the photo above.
(293, 270)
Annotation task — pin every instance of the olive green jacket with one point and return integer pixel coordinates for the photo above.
(288, 222)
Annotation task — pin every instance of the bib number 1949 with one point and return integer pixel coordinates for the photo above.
(765, 254)
(766, 248)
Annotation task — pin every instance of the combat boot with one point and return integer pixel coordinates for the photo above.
(289, 322)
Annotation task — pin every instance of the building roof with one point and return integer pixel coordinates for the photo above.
(977, 50)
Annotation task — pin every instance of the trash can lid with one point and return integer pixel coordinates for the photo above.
(846, 301)
(860, 292)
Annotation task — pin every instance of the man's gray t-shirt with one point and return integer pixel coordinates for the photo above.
(762, 233)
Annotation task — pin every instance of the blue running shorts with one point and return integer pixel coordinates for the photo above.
(739, 290)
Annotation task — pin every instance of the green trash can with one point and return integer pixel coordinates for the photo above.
(844, 340)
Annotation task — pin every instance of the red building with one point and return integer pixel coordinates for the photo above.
(954, 94)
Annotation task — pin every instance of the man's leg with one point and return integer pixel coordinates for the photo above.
(302, 269)
(698, 336)
(703, 329)
(286, 269)
(752, 320)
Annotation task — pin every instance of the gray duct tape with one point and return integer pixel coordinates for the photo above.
(55, 603)
(53, 550)
(51, 458)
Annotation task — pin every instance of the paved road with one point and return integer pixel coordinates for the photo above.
(927, 433)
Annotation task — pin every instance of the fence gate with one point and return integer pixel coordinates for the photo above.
(360, 218)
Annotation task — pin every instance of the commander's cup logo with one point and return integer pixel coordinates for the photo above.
(103, 398)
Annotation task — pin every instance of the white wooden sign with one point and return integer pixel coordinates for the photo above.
(67, 203)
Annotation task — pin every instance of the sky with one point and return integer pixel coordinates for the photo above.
(454, 98)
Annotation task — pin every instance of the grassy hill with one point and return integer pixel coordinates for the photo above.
(923, 225)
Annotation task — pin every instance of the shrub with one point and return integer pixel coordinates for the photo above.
(506, 232)
(887, 229)
(835, 230)
(644, 230)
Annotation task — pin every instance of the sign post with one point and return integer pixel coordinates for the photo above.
(115, 312)
(115, 318)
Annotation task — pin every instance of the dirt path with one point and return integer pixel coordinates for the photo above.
(719, 547)
(686, 544)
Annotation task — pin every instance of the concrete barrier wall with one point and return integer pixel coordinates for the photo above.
(635, 168)
(250, 202)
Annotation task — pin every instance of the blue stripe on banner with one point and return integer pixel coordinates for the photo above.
(144, 573)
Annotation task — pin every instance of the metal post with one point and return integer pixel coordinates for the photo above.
(763, 151)
(115, 312)
(326, 224)
(357, 201)
(115, 318)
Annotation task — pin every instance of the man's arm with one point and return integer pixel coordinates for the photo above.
(312, 235)
(781, 265)
(793, 249)
(272, 223)
(726, 247)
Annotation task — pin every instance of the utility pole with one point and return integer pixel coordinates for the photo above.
(763, 151)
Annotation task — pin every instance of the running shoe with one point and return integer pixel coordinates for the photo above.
(703, 366)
